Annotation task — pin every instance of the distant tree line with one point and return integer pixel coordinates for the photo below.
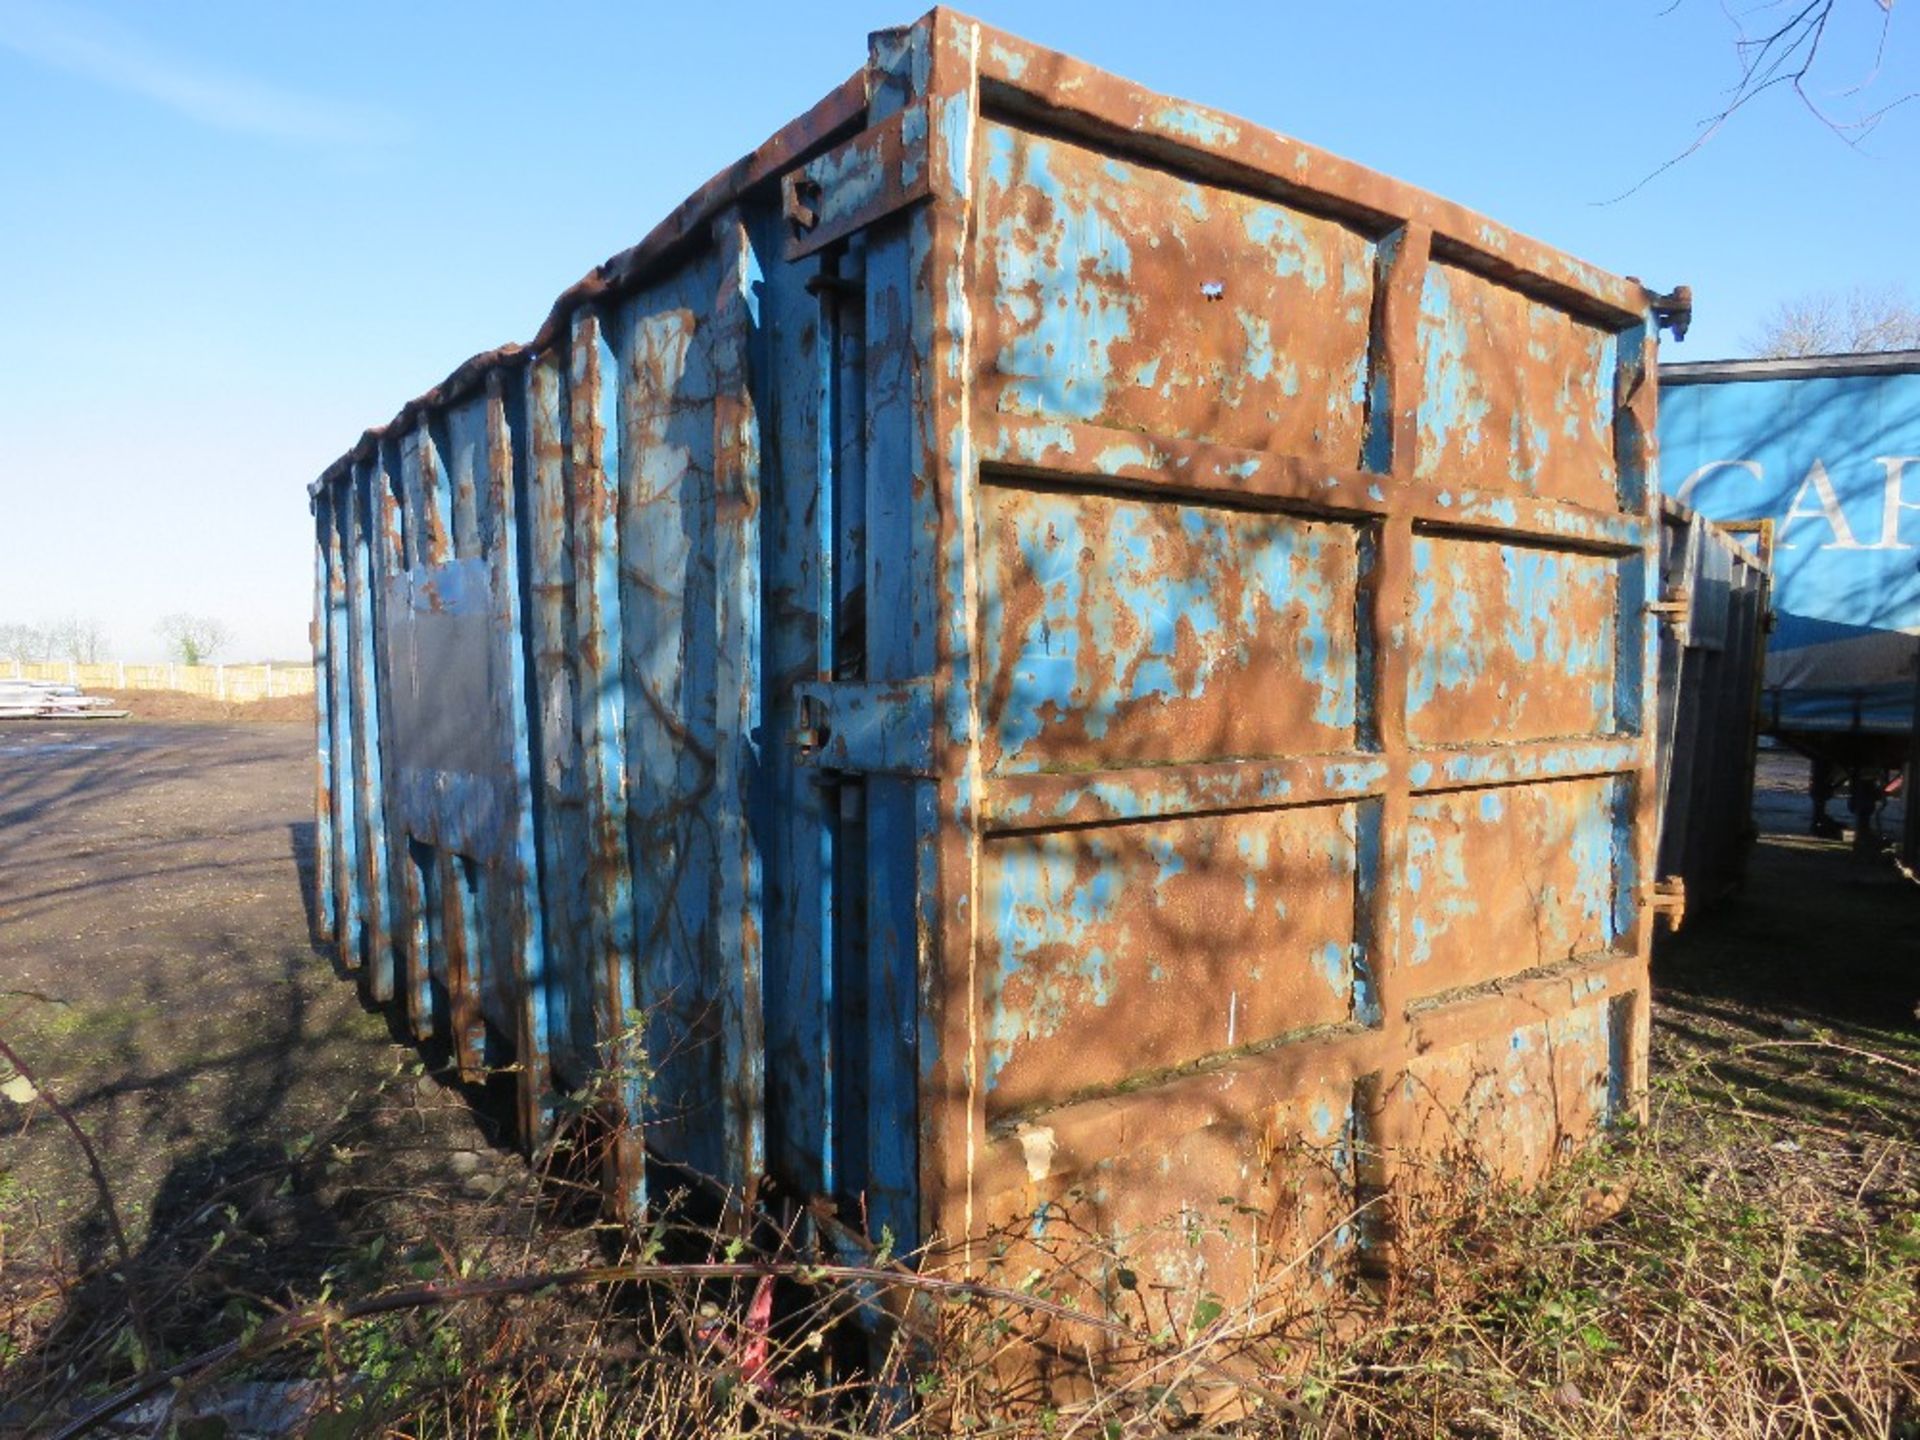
(189, 639)
(1840, 322)
(72, 637)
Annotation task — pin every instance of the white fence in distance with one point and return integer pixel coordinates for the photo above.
(214, 682)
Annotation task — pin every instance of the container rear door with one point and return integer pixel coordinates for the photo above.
(1312, 678)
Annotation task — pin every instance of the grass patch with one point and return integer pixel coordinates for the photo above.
(1760, 1278)
(1743, 1265)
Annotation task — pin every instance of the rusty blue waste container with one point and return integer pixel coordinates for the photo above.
(1715, 586)
(1033, 642)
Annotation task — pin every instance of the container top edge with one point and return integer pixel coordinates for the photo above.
(1082, 96)
(621, 272)
(1872, 362)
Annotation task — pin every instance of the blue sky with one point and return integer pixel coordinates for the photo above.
(233, 235)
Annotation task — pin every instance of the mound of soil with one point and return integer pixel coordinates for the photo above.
(177, 707)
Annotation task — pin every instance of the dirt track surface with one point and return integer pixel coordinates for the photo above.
(256, 1122)
(155, 966)
(264, 1134)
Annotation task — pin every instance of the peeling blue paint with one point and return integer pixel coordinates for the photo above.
(1057, 358)
(1044, 912)
(1289, 250)
(1450, 401)
(1133, 627)
(1191, 124)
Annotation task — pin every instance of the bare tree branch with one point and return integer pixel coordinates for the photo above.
(1786, 55)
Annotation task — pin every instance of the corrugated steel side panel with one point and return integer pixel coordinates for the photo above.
(1034, 647)
(1715, 585)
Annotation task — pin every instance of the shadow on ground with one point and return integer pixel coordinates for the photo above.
(256, 1124)
(1813, 958)
(263, 1136)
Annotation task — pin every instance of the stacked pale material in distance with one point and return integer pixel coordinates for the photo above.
(53, 700)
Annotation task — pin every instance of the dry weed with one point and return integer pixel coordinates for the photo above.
(1730, 1270)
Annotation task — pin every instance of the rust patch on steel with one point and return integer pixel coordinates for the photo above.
(1509, 642)
(1119, 295)
(868, 178)
(1283, 1156)
(1515, 395)
(460, 936)
(1119, 630)
(1503, 880)
(1118, 952)
(1514, 1105)
(1069, 94)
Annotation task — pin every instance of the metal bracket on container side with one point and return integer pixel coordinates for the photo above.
(1670, 901)
(879, 171)
(866, 727)
(1671, 608)
(1674, 310)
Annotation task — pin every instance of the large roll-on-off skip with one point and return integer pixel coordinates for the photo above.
(1033, 646)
